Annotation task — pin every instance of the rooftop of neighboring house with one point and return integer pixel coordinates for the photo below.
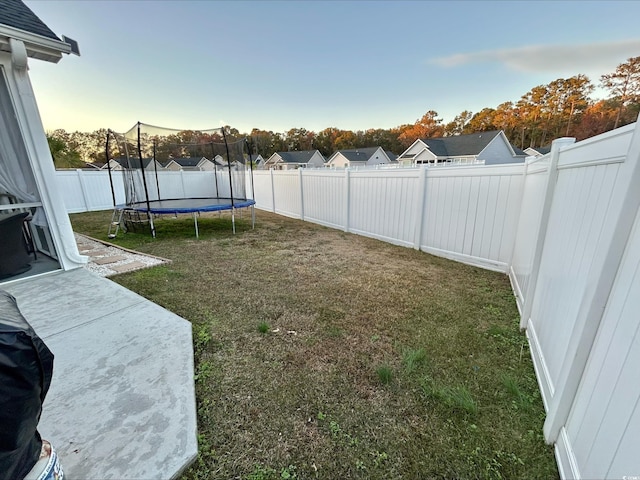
(542, 150)
(518, 151)
(187, 161)
(460, 145)
(302, 156)
(132, 162)
(357, 154)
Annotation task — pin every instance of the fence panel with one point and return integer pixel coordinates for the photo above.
(84, 191)
(604, 423)
(263, 194)
(286, 185)
(471, 213)
(382, 204)
(323, 197)
(581, 213)
(203, 184)
(537, 173)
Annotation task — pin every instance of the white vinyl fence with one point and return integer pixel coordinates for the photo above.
(467, 213)
(566, 229)
(89, 190)
(574, 271)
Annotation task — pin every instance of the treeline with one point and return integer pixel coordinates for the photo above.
(563, 107)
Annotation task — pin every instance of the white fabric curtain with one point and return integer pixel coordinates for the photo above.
(16, 176)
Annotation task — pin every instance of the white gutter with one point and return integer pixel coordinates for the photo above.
(37, 46)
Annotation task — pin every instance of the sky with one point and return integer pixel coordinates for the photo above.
(353, 65)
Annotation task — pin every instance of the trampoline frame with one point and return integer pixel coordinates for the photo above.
(148, 206)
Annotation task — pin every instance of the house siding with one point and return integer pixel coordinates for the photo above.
(425, 156)
(316, 160)
(339, 161)
(378, 158)
(498, 152)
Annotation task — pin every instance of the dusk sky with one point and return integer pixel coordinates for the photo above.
(315, 64)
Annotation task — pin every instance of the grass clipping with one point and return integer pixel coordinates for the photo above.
(321, 354)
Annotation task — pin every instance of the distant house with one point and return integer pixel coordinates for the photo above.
(189, 164)
(121, 163)
(537, 151)
(488, 148)
(218, 161)
(358, 157)
(258, 161)
(293, 160)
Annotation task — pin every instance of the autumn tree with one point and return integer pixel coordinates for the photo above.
(624, 84)
(298, 139)
(483, 121)
(428, 126)
(505, 118)
(325, 140)
(456, 126)
(573, 98)
(266, 142)
(346, 140)
(380, 137)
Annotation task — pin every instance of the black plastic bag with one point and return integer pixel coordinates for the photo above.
(26, 367)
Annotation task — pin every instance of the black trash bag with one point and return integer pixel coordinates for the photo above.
(26, 367)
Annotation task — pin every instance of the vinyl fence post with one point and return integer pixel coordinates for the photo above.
(301, 195)
(550, 188)
(420, 207)
(273, 193)
(83, 190)
(347, 199)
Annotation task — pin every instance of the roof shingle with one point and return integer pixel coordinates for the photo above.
(460, 145)
(14, 13)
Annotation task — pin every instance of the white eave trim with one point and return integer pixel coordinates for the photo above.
(37, 46)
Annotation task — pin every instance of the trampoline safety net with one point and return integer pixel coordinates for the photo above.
(147, 157)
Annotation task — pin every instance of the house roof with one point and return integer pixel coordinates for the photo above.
(21, 31)
(460, 145)
(133, 162)
(356, 154)
(518, 151)
(542, 150)
(302, 156)
(188, 161)
(14, 13)
(392, 156)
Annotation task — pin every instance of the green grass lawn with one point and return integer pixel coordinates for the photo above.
(321, 354)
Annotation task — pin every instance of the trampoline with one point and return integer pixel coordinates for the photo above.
(145, 154)
(189, 205)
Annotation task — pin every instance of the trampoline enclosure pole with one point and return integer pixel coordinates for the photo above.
(155, 167)
(144, 182)
(233, 209)
(215, 170)
(253, 192)
(113, 193)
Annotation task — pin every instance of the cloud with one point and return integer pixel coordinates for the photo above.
(586, 58)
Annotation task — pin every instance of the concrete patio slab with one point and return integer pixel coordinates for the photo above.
(63, 300)
(122, 401)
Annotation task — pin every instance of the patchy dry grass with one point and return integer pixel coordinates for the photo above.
(321, 354)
